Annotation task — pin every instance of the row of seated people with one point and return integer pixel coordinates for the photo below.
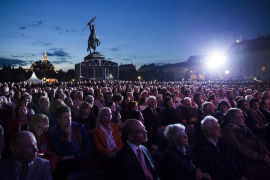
(155, 119)
(72, 143)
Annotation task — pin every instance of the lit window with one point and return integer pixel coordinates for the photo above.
(263, 68)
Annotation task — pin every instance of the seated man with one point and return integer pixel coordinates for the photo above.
(189, 113)
(265, 109)
(215, 156)
(24, 163)
(134, 160)
(71, 142)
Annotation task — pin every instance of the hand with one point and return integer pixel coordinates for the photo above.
(198, 174)
(206, 176)
(193, 119)
(154, 147)
(68, 132)
(62, 158)
(111, 154)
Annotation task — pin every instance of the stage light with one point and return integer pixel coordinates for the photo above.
(216, 60)
(227, 71)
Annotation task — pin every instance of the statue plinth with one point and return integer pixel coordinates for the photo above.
(94, 55)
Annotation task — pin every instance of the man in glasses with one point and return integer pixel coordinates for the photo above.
(134, 160)
(215, 156)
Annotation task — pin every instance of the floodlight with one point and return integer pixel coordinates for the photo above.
(216, 60)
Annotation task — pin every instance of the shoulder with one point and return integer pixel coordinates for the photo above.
(40, 161)
(114, 126)
(124, 152)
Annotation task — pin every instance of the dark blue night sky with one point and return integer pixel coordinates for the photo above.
(141, 32)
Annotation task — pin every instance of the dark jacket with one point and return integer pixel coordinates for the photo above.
(177, 165)
(129, 167)
(220, 162)
(171, 117)
(266, 114)
(63, 148)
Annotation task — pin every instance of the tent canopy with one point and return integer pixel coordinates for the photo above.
(33, 78)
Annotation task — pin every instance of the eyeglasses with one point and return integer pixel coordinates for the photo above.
(24, 109)
(41, 128)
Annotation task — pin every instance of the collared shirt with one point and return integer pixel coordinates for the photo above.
(109, 138)
(18, 168)
(213, 142)
(135, 150)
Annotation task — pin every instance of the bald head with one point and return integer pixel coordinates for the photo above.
(135, 132)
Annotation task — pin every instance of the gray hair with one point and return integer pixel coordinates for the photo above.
(248, 91)
(149, 99)
(187, 98)
(231, 113)
(101, 114)
(89, 98)
(172, 132)
(207, 122)
(79, 92)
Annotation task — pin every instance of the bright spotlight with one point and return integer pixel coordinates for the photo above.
(227, 71)
(216, 60)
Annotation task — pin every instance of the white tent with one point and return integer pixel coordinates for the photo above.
(33, 78)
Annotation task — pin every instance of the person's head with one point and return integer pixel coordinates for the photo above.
(63, 116)
(213, 99)
(183, 89)
(39, 123)
(55, 104)
(85, 109)
(249, 92)
(257, 95)
(210, 127)
(68, 101)
(90, 99)
(174, 99)
(111, 105)
(235, 115)
(44, 102)
(187, 102)
(143, 101)
(21, 110)
(79, 95)
(254, 104)
(198, 98)
(145, 94)
(266, 95)
(159, 97)
(222, 92)
(188, 94)
(126, 100)
(135, 132)
(136, 115)
(100, 96)
(24, 101)
(23, 146)
(230, 95)
(151, 102)
(109, 95)
(154, 92)
(117, 98)
(265, 104)
(130, 95)
(104, 116)
(132, 106)
(208, 108)
(168, 102)
(223, 106)
(176, 135)
(243, 105)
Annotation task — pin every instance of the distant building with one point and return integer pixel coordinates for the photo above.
(127, 67)
(250, 58)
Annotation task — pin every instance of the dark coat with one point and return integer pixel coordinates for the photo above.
(266, 114)
(170, 116)
(220, 162)
(177, 165)
(129, 167)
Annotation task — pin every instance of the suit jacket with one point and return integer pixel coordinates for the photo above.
(172, 116)
(39, 169)
(266, 114)
(220, 162)
(128, 165)
(100, 142)
(151, 124)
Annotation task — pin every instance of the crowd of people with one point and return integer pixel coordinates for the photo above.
(135, 130)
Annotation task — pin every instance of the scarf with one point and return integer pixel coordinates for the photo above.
(245, 131)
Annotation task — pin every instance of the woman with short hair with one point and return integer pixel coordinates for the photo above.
(179, 160)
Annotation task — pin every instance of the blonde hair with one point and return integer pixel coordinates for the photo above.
(55, 104)
(41, 99)
(36, 120)
(101, 114)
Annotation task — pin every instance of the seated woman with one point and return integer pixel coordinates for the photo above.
(44, 104)
(143, 104)
(175, 102)
(85, 118)
(25, 101)
(20, 123)
(170, 114)
(253, 153)
(38, 126)
(107, 140)
(222, 109)
(179, 160)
